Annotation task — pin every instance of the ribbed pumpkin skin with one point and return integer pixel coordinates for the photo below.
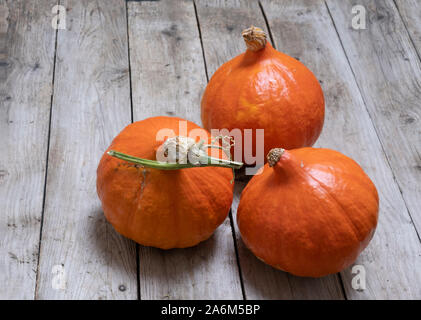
(266, 90)
(160, 208)
(311, 214)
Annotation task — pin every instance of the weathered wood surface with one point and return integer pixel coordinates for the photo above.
(388, 72)
(410, 12)
(26, 73)
(372, 89)
(221, 23)
(168, 78)
(91, 104)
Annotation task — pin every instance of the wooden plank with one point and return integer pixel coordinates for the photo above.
(388, 72)
(26, 73)
(167, 66)
(168, 78)
(221, 24)
(410, 12)
(91, 104)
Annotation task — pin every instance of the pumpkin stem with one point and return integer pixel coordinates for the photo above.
(274, 156)
(211, 162)
(255, 38)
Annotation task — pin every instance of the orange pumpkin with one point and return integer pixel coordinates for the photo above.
(317, 210)
(161, 208)
(265, 89)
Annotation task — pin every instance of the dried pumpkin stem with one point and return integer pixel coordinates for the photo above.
(255, 38)
(212, 162)
(274, 156)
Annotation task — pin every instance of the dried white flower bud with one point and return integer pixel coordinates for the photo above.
(182, 150)
(176, 149)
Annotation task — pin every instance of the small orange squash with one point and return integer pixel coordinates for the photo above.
(265, 89)
(171, 208)
(310, 213)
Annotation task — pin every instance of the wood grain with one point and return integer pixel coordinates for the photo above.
(168, 74)
(91, 104)
(221, 24)
(168, 78)
(410, 12)
(388, 72)
(26, 73)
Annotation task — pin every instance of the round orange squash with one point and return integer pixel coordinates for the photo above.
(310, 213)
(265, 89)
(161, 208)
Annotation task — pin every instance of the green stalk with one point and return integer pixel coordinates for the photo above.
(212, 162)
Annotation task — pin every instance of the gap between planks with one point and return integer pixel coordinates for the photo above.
(131, 120)
(46, 159)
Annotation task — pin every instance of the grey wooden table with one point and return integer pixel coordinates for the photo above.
(65, 93)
